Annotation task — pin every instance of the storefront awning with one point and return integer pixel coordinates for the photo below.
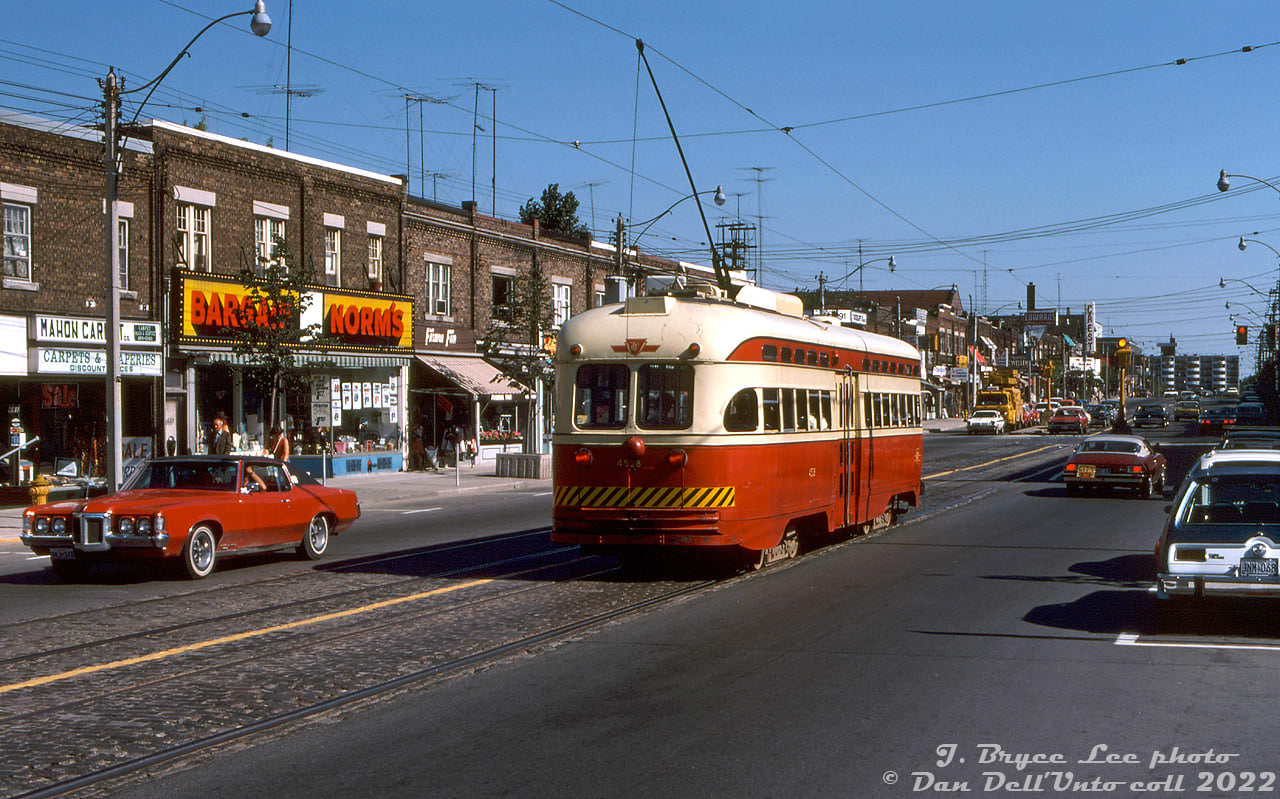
(991, 345)
(472, 374)
(934, 387)
(337, 360)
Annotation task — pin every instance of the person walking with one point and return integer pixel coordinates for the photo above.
(278, 444)
(221, 444)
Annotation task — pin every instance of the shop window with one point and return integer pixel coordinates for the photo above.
(193, 236)
(600, 398)
(664, 396)
(17, 241)
(771, 409)
(438, 278)
(743, 414)
(504, 287)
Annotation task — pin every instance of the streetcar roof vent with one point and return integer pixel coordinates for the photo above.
(757, 297)
(657, 305)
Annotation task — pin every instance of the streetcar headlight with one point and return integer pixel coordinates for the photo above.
(41, 525)
(59, 526)
(126, 525)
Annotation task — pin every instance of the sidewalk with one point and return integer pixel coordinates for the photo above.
(951, 425)
(374, 488)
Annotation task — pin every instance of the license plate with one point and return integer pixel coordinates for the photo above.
(1087, 470)
(1258, 567)
(62, 553)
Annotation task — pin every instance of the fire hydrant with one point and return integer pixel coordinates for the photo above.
(39, 490)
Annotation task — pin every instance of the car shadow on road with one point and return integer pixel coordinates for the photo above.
(1126, 605)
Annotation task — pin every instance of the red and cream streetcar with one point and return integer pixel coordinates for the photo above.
(693, 421)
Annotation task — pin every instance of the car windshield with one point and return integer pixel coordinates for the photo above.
(1109, 446)
(985, 415)
(1237, 500)
(200, 475)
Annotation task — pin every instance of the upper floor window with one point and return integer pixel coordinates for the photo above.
(267, 233)
(504, 287)
(332, 255)
(560, 296)
(122, 248)
(438, 288)
(375, 258)
(193, 236)
(17, 241)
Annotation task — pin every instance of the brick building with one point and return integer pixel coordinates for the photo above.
(197, 209)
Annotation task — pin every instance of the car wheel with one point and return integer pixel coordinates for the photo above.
(316, 540)
(1144, 491)
(1074, 490)
(200, 553)
(70, 570)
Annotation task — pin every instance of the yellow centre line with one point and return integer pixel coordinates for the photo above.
(989, 463)
(116, 664)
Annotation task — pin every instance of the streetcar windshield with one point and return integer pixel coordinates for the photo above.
(600, 395)
(664, 396)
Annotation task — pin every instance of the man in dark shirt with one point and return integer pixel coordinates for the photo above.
(221, 444)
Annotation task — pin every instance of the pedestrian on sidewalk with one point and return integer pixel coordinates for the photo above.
(278, 444)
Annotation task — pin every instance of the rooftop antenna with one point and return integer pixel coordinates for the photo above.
(419, 98)
(760, 180)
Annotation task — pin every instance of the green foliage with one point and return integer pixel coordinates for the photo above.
(270, 330)
(556, 213)
(514, 340)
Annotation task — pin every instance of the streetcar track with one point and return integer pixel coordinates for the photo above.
(78, 615)
(350, 697)
(392, 621)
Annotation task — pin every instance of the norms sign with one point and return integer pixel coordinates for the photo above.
(364, 322)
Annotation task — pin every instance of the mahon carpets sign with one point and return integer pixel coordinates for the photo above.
(212, 307)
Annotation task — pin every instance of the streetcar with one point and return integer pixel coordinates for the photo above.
(689, 420)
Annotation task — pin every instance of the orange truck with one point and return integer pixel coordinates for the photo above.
(1003, 394)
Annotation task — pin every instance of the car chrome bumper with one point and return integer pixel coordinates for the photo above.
(1168, 585)
(1124, 480)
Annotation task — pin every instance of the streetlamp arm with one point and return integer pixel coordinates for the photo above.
(648, 223)
(261, 25)
(1224, 183)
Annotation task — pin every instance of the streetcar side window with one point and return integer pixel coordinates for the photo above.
(664, 396)
(743, 414)
(786, 355)
(826, 410)
(788, 410)
(868, 408)
(769, 352)
(600, 395)
(884, 410)
(825, 359)
(815, 411)
(803, 422)
(772, 410)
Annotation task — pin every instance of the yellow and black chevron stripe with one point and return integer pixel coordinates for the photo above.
(645, 497)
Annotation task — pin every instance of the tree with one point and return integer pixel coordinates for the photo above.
(556, 213)
(514, 340)
(269, 329)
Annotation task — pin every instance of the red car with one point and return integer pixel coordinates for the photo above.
(1068, 419)
(192, 510)
(1115, 461)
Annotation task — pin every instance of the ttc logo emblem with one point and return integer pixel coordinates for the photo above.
(636, 346)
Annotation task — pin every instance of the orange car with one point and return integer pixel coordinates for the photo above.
(192, 511)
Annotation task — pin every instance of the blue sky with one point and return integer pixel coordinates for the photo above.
(950, 189)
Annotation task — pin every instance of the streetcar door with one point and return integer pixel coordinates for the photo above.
(846, 468)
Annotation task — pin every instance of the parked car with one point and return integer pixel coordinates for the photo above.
(1101, 414)
(1251, 438)
(192, 511)
(1220, 535)
(1186, 409)
(1068, 420)
(1108, 460)
(1030, 416)
(1079, 409)
(986, 422)
(1046, 410)
(1150, 416)
(1216, 419)
(1251, 413)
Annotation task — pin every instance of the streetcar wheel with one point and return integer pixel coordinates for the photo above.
(785, 549)
(200, 552)
(69, 570)
(316, 540)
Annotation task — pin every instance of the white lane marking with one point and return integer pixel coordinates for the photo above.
(419, 510)
(543, 494)
(1131, 639)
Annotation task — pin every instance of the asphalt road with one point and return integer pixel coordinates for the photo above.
(1005, 636)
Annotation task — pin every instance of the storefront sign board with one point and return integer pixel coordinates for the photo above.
(52, 360)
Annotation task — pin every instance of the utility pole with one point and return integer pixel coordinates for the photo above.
(114, 471)
(822, 292)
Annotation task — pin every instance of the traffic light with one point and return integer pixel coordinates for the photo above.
(1123, 354)
(1242, 334)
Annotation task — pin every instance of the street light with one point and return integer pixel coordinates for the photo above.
(1224, 181)
(112, 89)
(719, 198)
